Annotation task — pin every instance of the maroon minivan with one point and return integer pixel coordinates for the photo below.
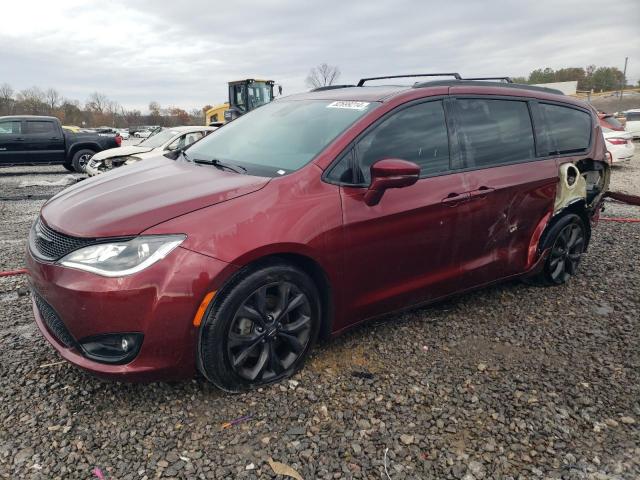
(308, 216)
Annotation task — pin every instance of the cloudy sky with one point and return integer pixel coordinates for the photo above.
(183, 53)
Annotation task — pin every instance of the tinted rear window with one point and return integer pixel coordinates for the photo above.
(36, 127)
(494, 132)
(569, 129)
(633, 116)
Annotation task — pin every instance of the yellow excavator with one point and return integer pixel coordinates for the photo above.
(244, 96)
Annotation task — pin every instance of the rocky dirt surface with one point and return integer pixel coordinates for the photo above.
(512, 381)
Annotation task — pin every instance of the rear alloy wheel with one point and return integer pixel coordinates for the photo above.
(566, 252)
(81, 158)
(262, 330)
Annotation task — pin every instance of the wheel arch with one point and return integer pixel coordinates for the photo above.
(305, 263)
(82, 146)
(577, 207)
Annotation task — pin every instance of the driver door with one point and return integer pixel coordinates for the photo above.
(404, 250)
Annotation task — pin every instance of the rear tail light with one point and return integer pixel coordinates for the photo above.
(616, 141)
(118, 140)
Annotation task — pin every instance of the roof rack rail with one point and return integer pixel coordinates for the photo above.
(330, 87)
(505, 79)
(488, 83)
(455, 75)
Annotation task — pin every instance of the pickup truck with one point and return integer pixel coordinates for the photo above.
(36, 140)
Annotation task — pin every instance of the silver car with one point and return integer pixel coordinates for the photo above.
(169, 139)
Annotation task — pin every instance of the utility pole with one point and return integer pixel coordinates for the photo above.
(624, 82)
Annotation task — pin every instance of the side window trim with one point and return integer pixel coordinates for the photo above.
(462, 163)
(455, 152)
(353, 145)
(51, 128)
(542, 116)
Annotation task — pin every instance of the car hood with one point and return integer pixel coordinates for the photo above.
(129, 200)
(121, 152)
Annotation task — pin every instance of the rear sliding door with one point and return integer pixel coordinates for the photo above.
(511, 189)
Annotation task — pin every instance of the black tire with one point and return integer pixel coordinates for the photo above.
(68, 166)
(80, 159)
(246, 340)
(568, 239)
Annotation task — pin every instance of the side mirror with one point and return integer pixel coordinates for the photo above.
(390, 173)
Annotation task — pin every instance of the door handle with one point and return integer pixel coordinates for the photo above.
(18, 139)
(481, 192)
(54, 138)
(454, 199)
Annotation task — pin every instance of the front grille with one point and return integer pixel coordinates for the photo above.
(54, 323)
(48, 244)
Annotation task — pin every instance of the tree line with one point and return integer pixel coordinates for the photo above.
(98, 110)
(590, 78)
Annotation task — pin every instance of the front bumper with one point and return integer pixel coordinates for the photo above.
(160, 302)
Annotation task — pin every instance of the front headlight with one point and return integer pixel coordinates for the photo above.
(118, 259)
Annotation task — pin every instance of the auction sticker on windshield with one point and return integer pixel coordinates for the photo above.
(349, 104)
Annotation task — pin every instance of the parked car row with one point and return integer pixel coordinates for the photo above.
(619, 144)
(632, 122)
(167, 140)
(619, 135)
(31, 140)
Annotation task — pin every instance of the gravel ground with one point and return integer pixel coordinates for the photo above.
(512, 381)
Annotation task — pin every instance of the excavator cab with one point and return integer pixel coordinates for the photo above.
(246, 95)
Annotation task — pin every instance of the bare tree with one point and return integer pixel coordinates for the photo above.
(111, 109)
(133, 117)
(32, 101)
(6, 92)
(322, 75)
(97, 102)
(53, 98)
(155, 113)
(6, 99)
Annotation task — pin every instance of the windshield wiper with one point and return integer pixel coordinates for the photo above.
(221, 165)
(216, 163)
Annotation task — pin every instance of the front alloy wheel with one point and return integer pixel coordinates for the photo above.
(260, 328)
(270, 331)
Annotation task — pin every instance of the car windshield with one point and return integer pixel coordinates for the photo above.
(159, 139)
(279, 137)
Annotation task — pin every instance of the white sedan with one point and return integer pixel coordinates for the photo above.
(633, 122)
(142, 134)
(167, 140)
(619, 145)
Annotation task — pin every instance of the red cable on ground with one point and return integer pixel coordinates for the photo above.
(9, 273)
(620, 219)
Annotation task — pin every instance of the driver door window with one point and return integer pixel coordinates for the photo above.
(176, 144)
(417, 134)
(191, 138)
(11, 127)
